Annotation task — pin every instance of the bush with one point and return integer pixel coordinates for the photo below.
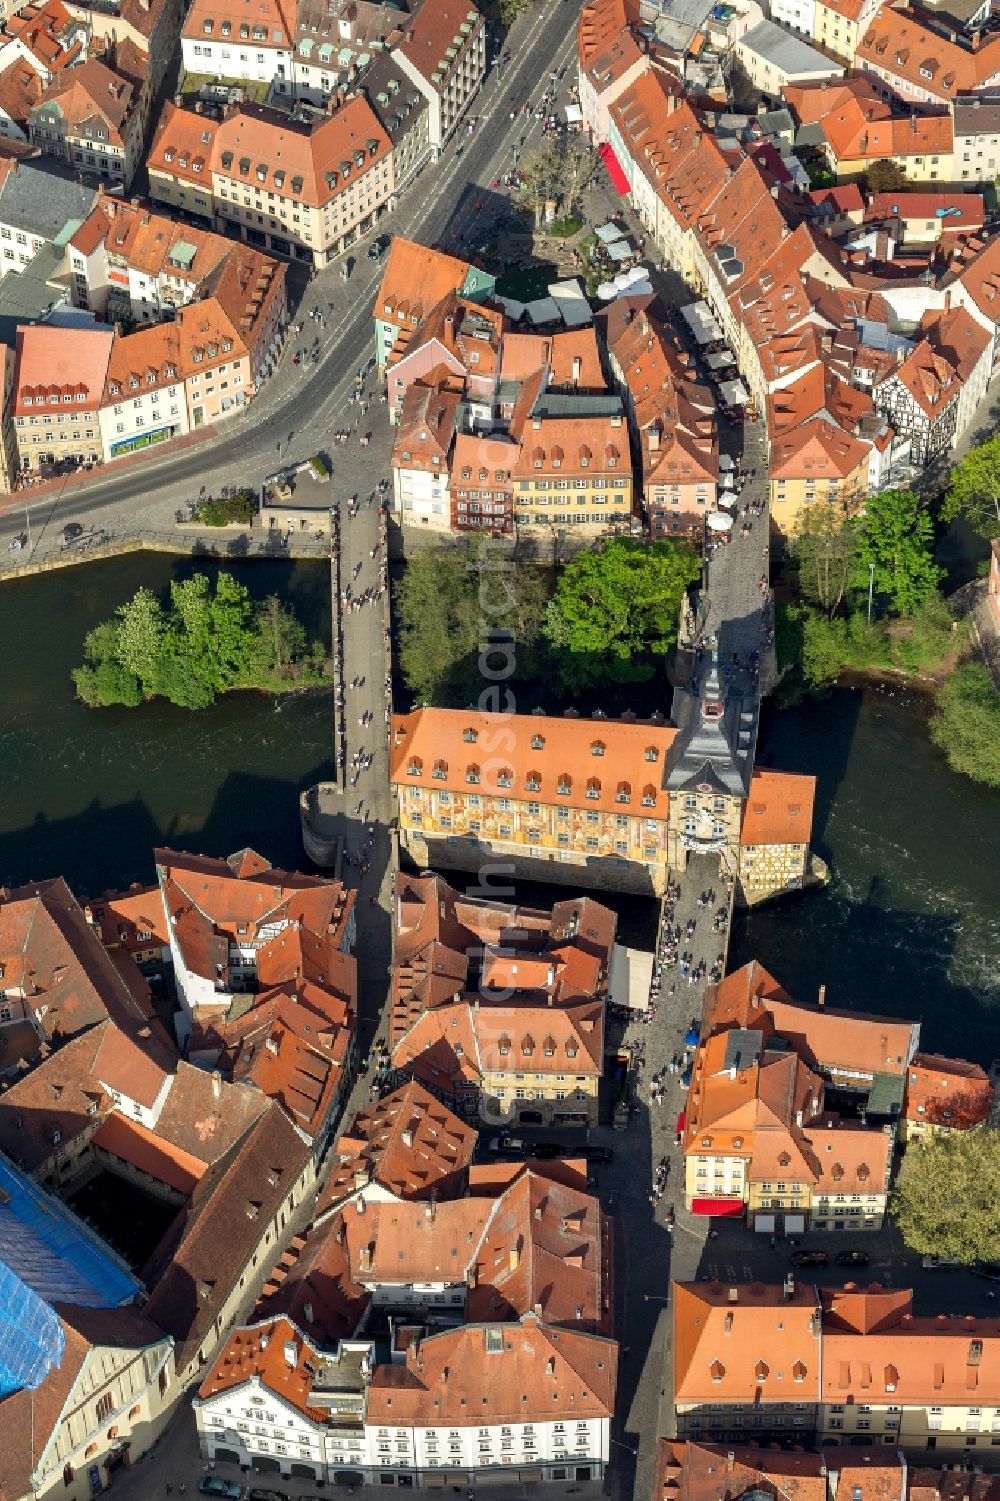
(219, 511)
(966, 723)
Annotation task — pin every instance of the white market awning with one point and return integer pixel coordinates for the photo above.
(733, 393)
(718, 521)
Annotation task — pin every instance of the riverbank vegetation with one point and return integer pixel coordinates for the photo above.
(209, 639)
(864, 596)
(469, 617)
(945, 1202)
(966, 723)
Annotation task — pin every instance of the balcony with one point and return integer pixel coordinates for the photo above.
(703, 844)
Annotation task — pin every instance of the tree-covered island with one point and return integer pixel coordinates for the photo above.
(209, 639)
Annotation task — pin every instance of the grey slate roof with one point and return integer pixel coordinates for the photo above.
(789, 53)
(42, 199)
(549, 405)
(716, 736)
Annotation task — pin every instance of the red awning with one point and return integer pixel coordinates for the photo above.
(615, 170)
(719, 1207)
(681, 1121)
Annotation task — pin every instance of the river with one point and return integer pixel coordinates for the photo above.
(909, 926)
(88, 793)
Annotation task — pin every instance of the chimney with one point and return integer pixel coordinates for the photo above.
(407, 1137)
(821, 998)
(216, 1084)
(734, 1295)
(947, 301)
(513, 1259)
(550, 1366)
(789, 1287)
(429, 1211)
(360, 1179)
(577, 370)
(291, 1354)
(730, 1462)
(365, 1261)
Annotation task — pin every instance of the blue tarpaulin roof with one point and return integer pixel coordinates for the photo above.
(47, 1255)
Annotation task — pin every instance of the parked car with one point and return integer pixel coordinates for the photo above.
(809, 1258)
(505, 1143)
(547, 1149)
(214, 1485)
(988, 1269)
(262, 1495)
(70, 532)
(598, 1154)
(852, 1258)
(939, 1263)
(378, 247)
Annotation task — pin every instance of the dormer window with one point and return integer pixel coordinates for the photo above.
(564, 786)
(532, 782)
(415, 768)
(538, 742)
(593, 789)
(472, 775)
(598, 748)
(528, 1046)
(652, 754)
(505, 777)
(649, 797)
(503, 1045)
(470, 736)
(624, 793)
(761, 1370)
(440, 770)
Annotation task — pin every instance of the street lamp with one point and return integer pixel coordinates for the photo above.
(871, 588)
(27, 522)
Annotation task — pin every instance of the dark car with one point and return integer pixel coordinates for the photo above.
(378, 247)
(809, 1258)
(598, 1154)
(214, 1485)
(988, 1269)
(262, 1495)
(70, 532)
(544, 1149)
(852, 1258)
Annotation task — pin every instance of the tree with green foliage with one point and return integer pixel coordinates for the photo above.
(824, 549)
(895, 536)
(454, 603)
(210, 639)
(615, 611)
(965, 723)
(974, 489)
(945, 1202)
(885, 176)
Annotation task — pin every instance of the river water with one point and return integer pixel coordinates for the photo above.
(909, 926)
(88, 793)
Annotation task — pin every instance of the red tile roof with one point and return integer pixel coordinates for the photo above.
(779, 809)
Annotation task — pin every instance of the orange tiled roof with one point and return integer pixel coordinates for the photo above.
(182, 145)
(89, 90)
(434, 40)
(53, 363)
(899, 44)
(946, 1092)
(779, 809)
(415, 279)
(505, 1373)
(818, 450)
(262, 23)
(261, 1352)
(409, 1142)
(689, 1471)
(729, 1348)
(311, 165)
(440, 748)
(150, 1153)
